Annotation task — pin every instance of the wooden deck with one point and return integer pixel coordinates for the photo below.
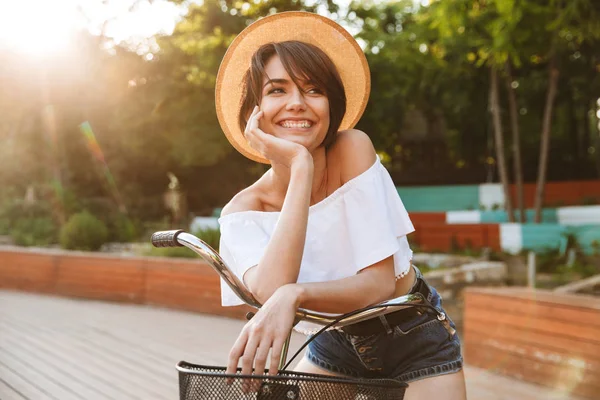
(63, 349)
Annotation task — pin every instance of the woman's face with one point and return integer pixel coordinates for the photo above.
(299, 114)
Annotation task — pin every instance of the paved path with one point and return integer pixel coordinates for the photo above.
(64, 349)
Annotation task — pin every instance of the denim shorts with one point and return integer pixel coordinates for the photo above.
(415, 349)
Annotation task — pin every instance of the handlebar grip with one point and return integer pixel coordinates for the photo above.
(166, 238)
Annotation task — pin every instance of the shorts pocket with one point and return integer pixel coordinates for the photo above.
(414, 324)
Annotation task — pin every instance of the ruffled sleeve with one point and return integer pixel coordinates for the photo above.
(377, 221)
(243, 242)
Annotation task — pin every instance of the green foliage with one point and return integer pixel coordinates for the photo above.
(177, 252)
(122, 229)
(4, 226)
(547, 261)
(595, 247)
(83, 231)
(565, 274)
(210, 237)
(427, 109)
(36, 231)
(27, 224)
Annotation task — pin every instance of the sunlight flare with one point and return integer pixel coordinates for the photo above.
(37, 26)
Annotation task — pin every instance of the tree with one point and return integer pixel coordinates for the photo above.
(578, 19)
(486, 27)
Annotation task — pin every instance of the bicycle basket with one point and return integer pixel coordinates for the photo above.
(198, 382)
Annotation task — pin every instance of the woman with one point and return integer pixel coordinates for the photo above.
(324, 228)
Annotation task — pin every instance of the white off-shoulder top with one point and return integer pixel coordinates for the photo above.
(361, 223)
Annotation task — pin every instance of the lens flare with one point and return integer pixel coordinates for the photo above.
(96, 151)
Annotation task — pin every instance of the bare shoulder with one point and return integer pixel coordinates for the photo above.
(354, 152)
(246, 200)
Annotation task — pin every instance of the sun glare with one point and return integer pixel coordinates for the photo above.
(36, 26)
(45, 27)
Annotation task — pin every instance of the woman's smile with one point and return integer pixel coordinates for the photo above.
(296, 123)
(296, 111)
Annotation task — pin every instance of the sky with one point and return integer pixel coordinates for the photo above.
(42, 27)
(45, 26)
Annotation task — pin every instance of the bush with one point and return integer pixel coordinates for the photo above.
(565, 274)
(39, 231)
(83, 231)
(14, 210)
(122, 229)
(177, 252)
(4, 225)
(210, 236)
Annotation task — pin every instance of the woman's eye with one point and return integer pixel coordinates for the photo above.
(314, 91)
(275, 91)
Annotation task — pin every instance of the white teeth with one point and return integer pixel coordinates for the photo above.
(299, 124)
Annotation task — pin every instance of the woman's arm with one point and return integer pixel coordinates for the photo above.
(280, 263)
(271, 325)
(370, 286)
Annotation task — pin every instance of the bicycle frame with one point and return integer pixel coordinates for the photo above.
(180, 238)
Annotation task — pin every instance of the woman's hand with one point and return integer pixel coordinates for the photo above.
(267, 330)
(274, 149)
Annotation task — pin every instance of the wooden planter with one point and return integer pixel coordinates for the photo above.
(539, 336)
(169, 282)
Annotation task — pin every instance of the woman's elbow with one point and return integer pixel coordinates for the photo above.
(261, 289)
(262, 294)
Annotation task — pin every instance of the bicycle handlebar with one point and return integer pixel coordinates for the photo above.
(179, 238)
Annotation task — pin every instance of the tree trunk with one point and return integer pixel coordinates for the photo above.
(499, 141)
(516, 143)
(545, 142)
(596, 130)
(578, 159)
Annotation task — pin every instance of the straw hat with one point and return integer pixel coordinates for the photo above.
(311, 28)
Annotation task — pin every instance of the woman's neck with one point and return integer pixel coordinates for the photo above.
(280, 177)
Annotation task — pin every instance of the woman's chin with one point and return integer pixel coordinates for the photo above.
(304, 140)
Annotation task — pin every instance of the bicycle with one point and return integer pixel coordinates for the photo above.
(210, 382)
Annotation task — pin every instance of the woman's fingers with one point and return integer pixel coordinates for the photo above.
(260, 361)
(255, 337)
(249, 354)
(252, 121)
(236, 352)
(276, 350)
(253, 134)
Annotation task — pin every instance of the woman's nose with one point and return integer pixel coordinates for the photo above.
(296, 101)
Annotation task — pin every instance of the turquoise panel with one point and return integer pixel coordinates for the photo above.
(440, 198)
(549, 216)
(543, 237)
(588, 237)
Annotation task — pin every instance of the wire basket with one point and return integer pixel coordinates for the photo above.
(199, 382)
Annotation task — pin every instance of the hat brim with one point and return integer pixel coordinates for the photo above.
(306, 27)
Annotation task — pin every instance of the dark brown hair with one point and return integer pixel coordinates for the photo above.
(301, 61)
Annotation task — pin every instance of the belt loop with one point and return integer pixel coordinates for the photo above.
(386, 325)
(424, 289)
